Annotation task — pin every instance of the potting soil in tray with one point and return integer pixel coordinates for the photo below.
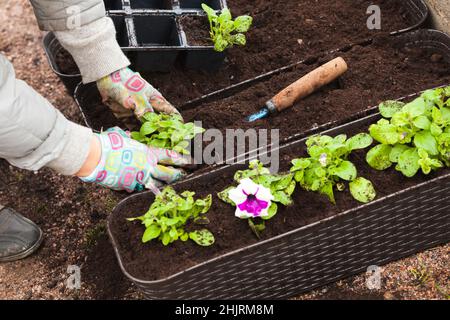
(376, 72)
(196, 29)
(153, 261)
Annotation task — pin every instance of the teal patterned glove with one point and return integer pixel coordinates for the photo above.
(126, 164)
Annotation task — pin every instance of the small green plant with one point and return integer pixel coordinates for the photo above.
(169, 215)
(421, 276)
(258, 194)
(166, 131)
(226, 32)
(416, 136)
(328, 166)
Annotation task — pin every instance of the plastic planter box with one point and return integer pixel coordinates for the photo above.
(388, 229)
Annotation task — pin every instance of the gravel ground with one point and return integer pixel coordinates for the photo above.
(72, 213)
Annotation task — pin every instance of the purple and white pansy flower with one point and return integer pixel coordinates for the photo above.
(252, 200)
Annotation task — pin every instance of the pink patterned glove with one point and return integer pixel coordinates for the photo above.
(125, 92)
(126, 164)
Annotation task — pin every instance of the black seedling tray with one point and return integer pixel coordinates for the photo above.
(390, 228)
(156, 37)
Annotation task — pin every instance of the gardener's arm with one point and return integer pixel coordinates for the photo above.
(90, 37)
(34, 134)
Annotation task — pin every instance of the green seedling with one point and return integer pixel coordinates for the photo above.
(281, 187)
(166, 131)
(328, 167)
(226, 32)
(169, 215)
(413, 136)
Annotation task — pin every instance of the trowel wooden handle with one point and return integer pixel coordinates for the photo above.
(309, 84)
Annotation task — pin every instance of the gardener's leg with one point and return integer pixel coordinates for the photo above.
(19, 237)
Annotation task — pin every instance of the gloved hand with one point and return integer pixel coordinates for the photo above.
(125, 92)
(126, 164)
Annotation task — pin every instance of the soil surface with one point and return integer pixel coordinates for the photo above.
(196, 30)
(152, 261)
(283, 32)
(72, 214)
(376, 72)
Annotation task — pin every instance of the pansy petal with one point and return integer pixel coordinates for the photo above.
(237, 195)
(242, 214)
(249, 186)
(264, 194)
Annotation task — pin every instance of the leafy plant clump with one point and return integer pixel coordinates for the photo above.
(226, 32)
(416, 136)
(169, 214)
(328, 166)
(166, 131)
(281, 187)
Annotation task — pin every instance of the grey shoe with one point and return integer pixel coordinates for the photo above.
(19, 237)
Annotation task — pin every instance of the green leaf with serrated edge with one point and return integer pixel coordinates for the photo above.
(327, 189)
(202, 237)
(152, 232)
(379, 157)
(389, 108)
(359, 141)
(166, 238)
(422, 122)
(425, 140)
(148, 128)
(384, 132)
(243, 23)
(362, 190)
(272, 211)
(415, 108)
(256, 228)
(346, 171)
(224, 195)
(239, 39)
(299, 164)
(435, 130)
(408, 163)
(282, 197)
(396, 151)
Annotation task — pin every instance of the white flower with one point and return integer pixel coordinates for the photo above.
(252, 200)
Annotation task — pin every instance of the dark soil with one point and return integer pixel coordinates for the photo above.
(283, 32)
(196, 30)
(376, 72)
(153, 261)
(66, 63)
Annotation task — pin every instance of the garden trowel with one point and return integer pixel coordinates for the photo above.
(302, 88)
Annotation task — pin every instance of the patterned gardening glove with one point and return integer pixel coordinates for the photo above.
(126, 164)
(125, 92)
